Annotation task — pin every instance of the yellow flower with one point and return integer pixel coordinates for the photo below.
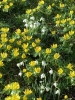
(1, 63)
(23, 0)
(41, 2)
(28, 11)
(5, 30)
(53, 32)
(28, 74)
(66, 97)
(23, 55)
(68, 19)
(18, 31)
(15, 97)
(28, 91)
(19, 42)
(49, 7)
(37, 70)
(57, 22)
(37, 40)
(71, 32)
(16, 52)
(6, 7)
(62, 5)
(1, 45)
(66, 36)
(24, 70)
(25, 98)
(71, 22)
(48, 50)
(38, 49)
(26, 50)
(54, 46)
(56, 55)
(70, 66)
(53, 4)
(63, 21)
(26, 30)
(29, 37)
(4, 40)
(60, 71)
(8, 98)
(32, 63)
(72, 74)
(4, 55)
(58, 16)
(24, 46)
(4, 1)
(15, 86)
(71, 12)
(39, 99)
(9, 47)
(33, 44)
(0, 75)
(3, 35)
(11, 40)
(10, 4)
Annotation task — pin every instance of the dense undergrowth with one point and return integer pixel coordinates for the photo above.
(37, 50)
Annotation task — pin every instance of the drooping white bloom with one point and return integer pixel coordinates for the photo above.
(25, 20)
(36, 62)
(43, 29)
(47, 89)
(44, 63)
(20, 73)
(18, 65)
(57, 92)
(42, 19)
(22, 63)
(32, 18)
(51, 71)
(43, 75)
(55, 84)
(42, 87)
(26, 25)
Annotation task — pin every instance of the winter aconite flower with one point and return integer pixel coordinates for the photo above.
(28, 91)
(56, 56)
(66, 97)
(60, 71)
(37, 70)
(48, 50)
(39, 99)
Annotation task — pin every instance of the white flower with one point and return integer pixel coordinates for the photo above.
(44, 63)
(31, 25)
(47, 89)
(42, 19)
(42, 87)
(43, 76)
(26, 25)
(43, 29)
(18, 65)
(57, 92)
(20, 74)
(22, 63)
(55, 84)
(51, 71)
(36, 62)
(32, 18)
(25, 20)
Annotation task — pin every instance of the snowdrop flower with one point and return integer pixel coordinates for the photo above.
(57, 92)
(51, 71)
(25, 20)
(44, 63)
(26, 25)
(42, 87)
(32, 18)
(31, 26)
(36, 62)
(22, 63)
(20, 74)
(47, 89)
(41, 91)
(43, 76)
(18, 65)
(55, 84)
(42, 19)
(43, 29)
